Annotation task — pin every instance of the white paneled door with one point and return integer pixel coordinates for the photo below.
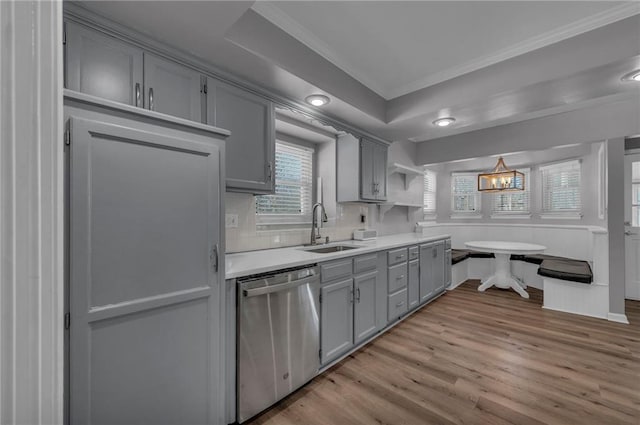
(632, 226)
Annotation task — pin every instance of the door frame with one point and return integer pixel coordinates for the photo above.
(629, 157)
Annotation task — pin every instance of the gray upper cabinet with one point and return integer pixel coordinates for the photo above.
(336, 323)
(250, 156)
(172, 89)
(365, 305)
(103, 66)
(361, 170)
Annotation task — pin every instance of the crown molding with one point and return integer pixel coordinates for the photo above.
(285, 22)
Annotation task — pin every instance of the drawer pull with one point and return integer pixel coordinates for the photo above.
(400, 277)
(400, 304)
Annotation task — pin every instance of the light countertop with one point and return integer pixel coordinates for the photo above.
(266, 260)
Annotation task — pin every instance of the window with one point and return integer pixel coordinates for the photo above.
(292, 200)
(513, 203)
(465, 199)
(561, 190)
(429, 208)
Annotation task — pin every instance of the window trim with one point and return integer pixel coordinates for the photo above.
(267, 222)
(560, 215)
(496, 214)
(430, 214)
(458, 214)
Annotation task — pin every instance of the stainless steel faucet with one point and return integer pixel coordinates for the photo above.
(314, 222)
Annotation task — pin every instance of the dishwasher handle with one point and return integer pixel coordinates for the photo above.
(277, 288)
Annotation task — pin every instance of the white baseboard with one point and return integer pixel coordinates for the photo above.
(617, 317)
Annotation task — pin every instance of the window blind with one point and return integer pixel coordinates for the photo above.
(465, 197)
(429, 208)
(561, 188)
(292, 200)
(514, 202)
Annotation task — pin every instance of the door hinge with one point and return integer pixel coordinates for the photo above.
(67, 320)
(67, 137)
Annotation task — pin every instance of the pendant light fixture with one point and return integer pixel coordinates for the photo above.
(501, 179)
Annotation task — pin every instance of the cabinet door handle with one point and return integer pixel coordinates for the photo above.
(269, 171)
(434, 253)
(151, 107)
(138, 95)
(358, 294)
(213, 256)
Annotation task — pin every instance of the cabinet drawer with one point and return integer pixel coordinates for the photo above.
(397, 277)
(413, 253)
(397, 256)
(397, 305)
(365, 263)
(335, 270)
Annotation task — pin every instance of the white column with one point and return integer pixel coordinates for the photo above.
(31, 212)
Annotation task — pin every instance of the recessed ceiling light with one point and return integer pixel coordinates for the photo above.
(317, 100)
(632, 76)
(444, 122)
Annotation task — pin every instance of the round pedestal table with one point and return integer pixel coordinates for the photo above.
(502, 277)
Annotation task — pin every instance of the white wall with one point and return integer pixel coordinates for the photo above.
(31, 213)
(343, 218)
(587, 153)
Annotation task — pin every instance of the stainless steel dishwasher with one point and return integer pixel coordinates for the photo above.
(278, 336)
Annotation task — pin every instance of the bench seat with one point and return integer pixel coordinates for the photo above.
(566, 269)
(552, 266)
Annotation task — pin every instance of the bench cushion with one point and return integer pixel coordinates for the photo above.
(566, 269)
(458, 255)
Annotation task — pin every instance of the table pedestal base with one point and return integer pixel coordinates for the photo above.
(502, 277)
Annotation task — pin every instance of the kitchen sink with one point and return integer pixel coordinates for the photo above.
(330, 249)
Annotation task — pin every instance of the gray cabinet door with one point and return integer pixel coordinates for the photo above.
(437, 267)
(250, 150)
(172, 89)
(365, 307)
(144, 295)
(102, 66)
(336, 322)
(367, 158)
(380, 172)
(413, 284)
(427, 286)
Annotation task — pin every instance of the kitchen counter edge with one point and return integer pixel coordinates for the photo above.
(249, 263)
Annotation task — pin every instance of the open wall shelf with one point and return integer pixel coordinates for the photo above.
(409, 173)
(384, 208)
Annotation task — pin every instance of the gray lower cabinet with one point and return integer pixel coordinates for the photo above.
(365, 306)
(250, 156)
(336, 319)
(413, 284)
(145, 338)
(432, 270)
(172, 89)
(103, 66)
(427, 287)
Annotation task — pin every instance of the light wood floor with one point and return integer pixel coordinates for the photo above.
(481, 358)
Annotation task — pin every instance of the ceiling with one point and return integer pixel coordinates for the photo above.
(391, 67)
(395, 48)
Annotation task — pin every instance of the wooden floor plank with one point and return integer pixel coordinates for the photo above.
(481, 358)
